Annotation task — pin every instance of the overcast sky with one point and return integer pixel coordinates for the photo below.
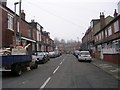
(65, 19)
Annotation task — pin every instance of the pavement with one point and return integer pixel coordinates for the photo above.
(110, 68)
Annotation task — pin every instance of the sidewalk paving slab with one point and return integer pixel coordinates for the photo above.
(108, 67)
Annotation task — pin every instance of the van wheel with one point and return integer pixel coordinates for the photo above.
(36, 65)
(16, 70)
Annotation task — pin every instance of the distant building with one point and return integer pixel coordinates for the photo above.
(119, 7)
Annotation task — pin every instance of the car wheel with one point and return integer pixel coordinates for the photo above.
(89, 61)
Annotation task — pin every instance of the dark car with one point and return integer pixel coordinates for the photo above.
(42, 57)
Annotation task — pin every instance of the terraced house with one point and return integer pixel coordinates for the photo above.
(103, 38)
(15, 32)
(107, 40)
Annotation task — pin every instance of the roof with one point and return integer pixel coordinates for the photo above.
(97, 28)
(109, 23)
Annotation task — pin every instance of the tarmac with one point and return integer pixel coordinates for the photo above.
(110, 68)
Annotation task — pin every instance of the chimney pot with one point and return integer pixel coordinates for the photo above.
(115, 13)
(4, 3)
(102, 20)
(22, 14)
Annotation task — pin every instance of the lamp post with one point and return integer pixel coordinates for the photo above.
(20, 22)
(15, 22)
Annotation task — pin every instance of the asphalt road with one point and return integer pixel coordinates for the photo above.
(62, 72)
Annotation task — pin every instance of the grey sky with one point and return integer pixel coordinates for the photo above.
(65, 19)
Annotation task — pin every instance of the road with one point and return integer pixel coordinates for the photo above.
(62, 72)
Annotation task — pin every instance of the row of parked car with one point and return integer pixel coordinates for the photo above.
(43, 57)
(83, 55)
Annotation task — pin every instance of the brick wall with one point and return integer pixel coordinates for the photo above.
(7, 35)
(113, 58)
(0, 27)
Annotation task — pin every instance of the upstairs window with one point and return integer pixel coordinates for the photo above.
(102, 35)
(106, 33)
(109, 31)
(18, 27)
(116, 27)
(29, 32)
(39, 36)
(10, 22)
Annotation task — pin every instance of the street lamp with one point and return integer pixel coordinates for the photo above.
(20, 22)
(15, 22)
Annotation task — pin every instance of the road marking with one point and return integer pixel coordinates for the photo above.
(107, 66)
(56, 69)
(61, 63)
(45, 83)
(115, 70)
(63, 60)
(103, 64)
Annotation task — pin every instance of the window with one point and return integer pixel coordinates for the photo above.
(106, 33)
(10, 22)
(38, 27)
(33, 34)
(117, 45)
(99, 36)
(40, 36)
(29, 32)
(102, 35)
(96, 39)
(116, 26)
(109, 31)
(47, 41)
(99, 47)
(18, 27)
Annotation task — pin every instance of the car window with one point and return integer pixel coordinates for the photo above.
(85, 53)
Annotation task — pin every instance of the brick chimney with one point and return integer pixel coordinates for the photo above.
(4, 3)
(23, 15)
(115, 13)
(102, 20)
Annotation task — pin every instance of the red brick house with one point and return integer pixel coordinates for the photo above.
(29, 32)
(9, 27)
(107, 40)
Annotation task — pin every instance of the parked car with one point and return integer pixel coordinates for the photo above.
(47, 55)
(84, 56)
(76, 53)
(5, 52)
(52, 54)
(42, 57)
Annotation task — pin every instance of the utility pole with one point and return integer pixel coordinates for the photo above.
(15, 23)
(20, 22)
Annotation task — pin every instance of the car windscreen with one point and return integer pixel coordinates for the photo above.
(85, 53)
(39, 53)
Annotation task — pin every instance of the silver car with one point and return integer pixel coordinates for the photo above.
(41, 57)
(84, 56)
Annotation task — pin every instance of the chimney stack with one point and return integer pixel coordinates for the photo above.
(23, 15)
(115, 13)
(102, 20)
(4, 3)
